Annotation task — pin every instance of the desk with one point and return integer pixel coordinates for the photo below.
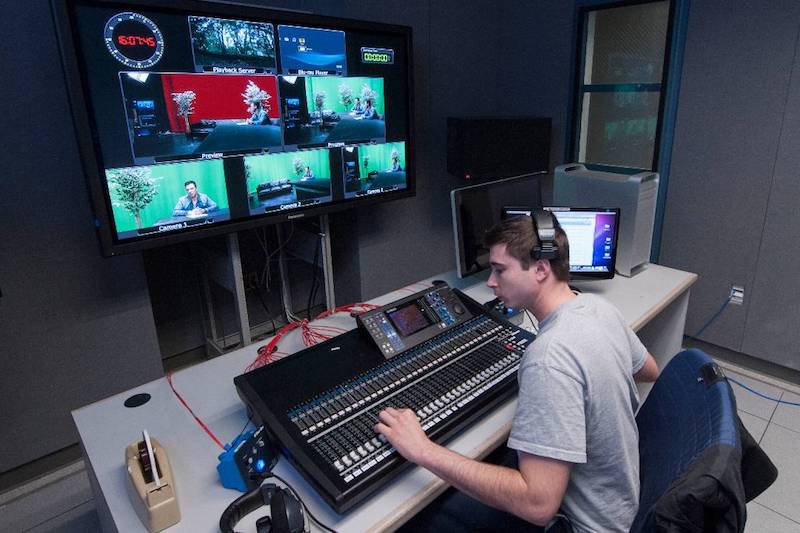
(654, 302)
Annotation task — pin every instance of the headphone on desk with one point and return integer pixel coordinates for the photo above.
(285, 510)
(545, 225)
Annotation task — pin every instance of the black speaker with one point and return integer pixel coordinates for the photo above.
(488, 148)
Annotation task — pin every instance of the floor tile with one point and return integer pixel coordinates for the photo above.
(82, 519)
(755, 426)
(762, 520)
(788, 416)
(782, 446)
(750, 403)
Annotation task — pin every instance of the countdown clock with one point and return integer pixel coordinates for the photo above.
(134, 40)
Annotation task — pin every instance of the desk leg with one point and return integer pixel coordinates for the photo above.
(663, 336)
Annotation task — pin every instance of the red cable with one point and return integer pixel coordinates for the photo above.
(186, 405)
(310, 335)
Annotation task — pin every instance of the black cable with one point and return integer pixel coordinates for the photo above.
(260, 290)
(534, 324)
(314, 278)
(249, 419)
(308, 512)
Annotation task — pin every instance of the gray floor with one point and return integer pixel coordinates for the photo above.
(62, 501)
(777, 428)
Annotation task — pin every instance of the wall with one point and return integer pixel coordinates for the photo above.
(74, 327)
(734, 168)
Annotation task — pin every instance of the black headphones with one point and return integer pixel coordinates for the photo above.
(286, 511)
(545, 224)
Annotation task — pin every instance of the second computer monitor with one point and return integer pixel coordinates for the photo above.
(592, 234)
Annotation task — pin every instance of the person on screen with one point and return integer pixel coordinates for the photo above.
(369, 112)
(259, 115)
(357, 107)
(395, 167)
(308, 174)
(194, 203)
(574, 441)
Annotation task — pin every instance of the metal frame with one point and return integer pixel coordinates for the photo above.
(579, 88)
(226, 271)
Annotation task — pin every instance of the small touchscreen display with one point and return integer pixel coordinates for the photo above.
(409, 319)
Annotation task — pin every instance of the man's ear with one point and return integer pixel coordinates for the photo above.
(541, 269)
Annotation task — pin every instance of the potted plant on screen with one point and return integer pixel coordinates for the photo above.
(299, 166)
(255, 97)
(185, 102)
(346, 96)
(319, 101)
(368, 94)
(132, 189)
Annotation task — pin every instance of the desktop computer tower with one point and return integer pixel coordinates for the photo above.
(576, 186)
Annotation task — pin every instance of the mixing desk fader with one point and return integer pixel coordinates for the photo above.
(436, 352)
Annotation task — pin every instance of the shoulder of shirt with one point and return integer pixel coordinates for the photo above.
(552, 354)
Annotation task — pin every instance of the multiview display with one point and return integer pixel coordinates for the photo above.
(193, 123)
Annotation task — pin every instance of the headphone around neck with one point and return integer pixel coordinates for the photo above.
(285, 510)
(545, 224)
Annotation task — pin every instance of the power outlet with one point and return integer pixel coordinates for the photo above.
(737, 295)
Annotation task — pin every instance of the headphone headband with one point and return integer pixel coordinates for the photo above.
(544, 225)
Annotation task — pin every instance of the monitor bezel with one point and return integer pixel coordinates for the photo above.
(455, 195)
(86, 139)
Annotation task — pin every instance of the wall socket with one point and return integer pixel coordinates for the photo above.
(737, 294)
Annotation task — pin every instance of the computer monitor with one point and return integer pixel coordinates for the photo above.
(271, 115)
(592, 233)
(479, 207)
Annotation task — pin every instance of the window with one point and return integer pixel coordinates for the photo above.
(621, 84)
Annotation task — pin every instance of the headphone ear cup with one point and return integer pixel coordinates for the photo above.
(264, 525)
(287, 513)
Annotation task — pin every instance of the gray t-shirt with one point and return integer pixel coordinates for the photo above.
(577, 400)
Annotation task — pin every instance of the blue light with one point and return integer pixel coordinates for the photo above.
(261, 465)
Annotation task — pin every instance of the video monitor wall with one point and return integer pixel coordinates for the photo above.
(201, 120)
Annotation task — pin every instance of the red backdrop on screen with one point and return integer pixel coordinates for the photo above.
(219, 96)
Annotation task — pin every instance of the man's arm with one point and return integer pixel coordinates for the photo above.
(649, 371)
(211, 205)
(534, 492)
(179, 210)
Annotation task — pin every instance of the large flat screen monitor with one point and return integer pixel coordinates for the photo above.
(479, 207)
(592, 233)
(200, 118)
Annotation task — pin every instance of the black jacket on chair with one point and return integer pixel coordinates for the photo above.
(699, 465)
(712, 494)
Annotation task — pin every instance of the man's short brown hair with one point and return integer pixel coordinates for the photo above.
(518, 235)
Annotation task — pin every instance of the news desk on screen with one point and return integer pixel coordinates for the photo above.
(654, 303)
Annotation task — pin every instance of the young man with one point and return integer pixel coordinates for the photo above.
(574, 429)
(194, 203)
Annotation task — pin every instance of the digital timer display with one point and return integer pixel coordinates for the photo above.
(381, 56)
(134, 40)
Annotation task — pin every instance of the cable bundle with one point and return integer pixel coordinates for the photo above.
(311, 333)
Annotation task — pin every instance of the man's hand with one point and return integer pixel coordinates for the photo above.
(401, 428)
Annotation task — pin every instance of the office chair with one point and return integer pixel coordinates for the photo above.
(698, 464)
